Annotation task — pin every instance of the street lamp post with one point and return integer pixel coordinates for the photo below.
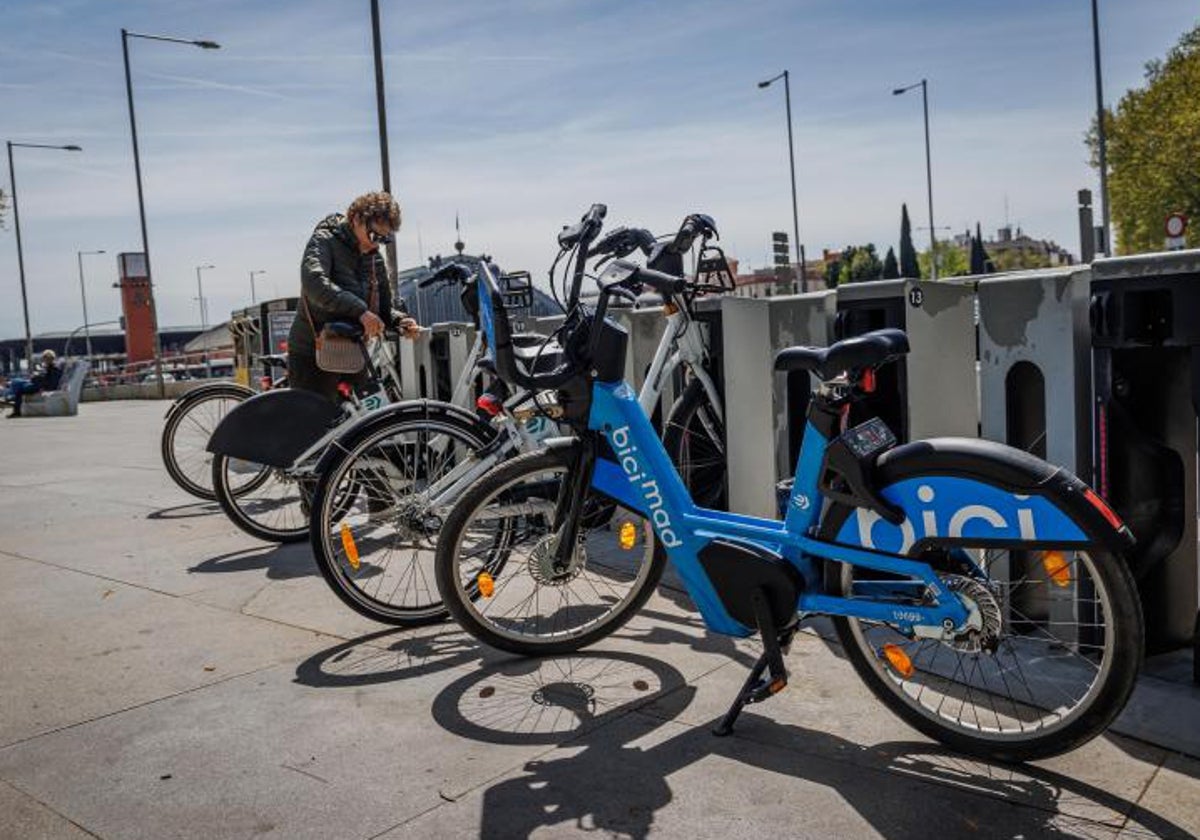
(200, 294)
(137, 169)
(253, 297)
(787, 96)
(12, 177)
(1100, 133)
(933, 261)
(87, 333)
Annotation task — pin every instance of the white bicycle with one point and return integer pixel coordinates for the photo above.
(385, 483)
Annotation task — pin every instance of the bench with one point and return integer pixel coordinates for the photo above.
(63, 402)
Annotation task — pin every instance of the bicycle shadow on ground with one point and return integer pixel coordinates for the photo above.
(399, 653)
(619, 771)
(281, 562)
(191, 510)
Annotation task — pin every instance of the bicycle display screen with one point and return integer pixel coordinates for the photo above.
(870, 438)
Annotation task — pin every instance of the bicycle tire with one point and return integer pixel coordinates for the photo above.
(686, 437)
(1116, 597)
(333, 501)
(461, 600)
(239, 503)
(199, 484)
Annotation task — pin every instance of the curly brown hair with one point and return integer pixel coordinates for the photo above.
(375, 206)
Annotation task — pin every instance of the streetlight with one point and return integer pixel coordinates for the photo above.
(87, 333)
(787, 96)
(1100, 134)
(253, 297)
(12, 177)
(200, 293)
(137, 169)
(928, 168)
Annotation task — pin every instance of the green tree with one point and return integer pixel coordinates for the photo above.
(1153, 149)
(952, 261)
(891, 269)
(908, 254)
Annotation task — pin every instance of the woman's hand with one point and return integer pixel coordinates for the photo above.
(409, 328)
(372, 324)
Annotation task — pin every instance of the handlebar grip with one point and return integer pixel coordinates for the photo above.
(661, 282)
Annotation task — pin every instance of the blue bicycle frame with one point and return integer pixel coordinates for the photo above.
(643, 479)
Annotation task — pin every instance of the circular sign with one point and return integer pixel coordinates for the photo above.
(916, 296)
(1176, 224)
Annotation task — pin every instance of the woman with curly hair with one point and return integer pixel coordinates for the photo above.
(344, 277)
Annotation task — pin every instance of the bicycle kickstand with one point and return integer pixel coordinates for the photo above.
(757, 686)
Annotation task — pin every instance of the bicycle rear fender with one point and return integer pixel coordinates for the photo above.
(406, 411)
(274, 427)
(956, 491)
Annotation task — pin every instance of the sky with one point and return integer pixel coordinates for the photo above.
(516, 116)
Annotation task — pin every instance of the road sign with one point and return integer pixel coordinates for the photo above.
(1176, 226)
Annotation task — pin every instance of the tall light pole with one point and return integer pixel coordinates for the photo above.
(12, 177)
(1100, 134)
(787, 97)
(87, 332)
(381, 113)
(137, 169)
(253, 297)
(933, 257)
(200, 294)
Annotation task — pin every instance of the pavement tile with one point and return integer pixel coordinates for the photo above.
(1170, 807)
(73, 646)
(26, 818)
(641, 776)
(827, 711)
(333, 750)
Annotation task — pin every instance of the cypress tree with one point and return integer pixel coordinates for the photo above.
(909, 267)
(891, 269)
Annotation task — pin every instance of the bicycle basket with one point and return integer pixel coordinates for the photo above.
(516, 289)
(714, 274)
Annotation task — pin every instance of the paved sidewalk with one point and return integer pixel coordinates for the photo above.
(163, 675)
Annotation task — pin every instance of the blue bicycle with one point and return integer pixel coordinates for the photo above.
(980, 592)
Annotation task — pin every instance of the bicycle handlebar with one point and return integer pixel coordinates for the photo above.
(450, 272)
(585, 230)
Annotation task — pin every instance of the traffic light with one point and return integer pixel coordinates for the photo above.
(779, 246)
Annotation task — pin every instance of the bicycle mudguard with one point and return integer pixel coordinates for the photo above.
(404, 411)
(274, 428)
(956, 491)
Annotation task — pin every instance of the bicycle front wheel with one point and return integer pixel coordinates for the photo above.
(496, 563)
(1051, 664)
(185, 435)
(377, 512)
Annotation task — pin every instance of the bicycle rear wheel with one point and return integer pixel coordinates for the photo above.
(373, 526)
(495, 562)
(185, 435)
(1052, 664)
(694, 438)
(269, 503)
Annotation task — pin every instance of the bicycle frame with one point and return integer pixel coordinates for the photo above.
(643, 479)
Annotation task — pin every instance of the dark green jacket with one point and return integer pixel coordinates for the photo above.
(335, 282)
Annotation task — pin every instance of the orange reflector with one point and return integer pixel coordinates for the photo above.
(348, 545)
(627, 535)
(1057, 568)
(898, 659)
(487, 586)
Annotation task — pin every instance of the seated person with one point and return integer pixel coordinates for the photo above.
(47, 379)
